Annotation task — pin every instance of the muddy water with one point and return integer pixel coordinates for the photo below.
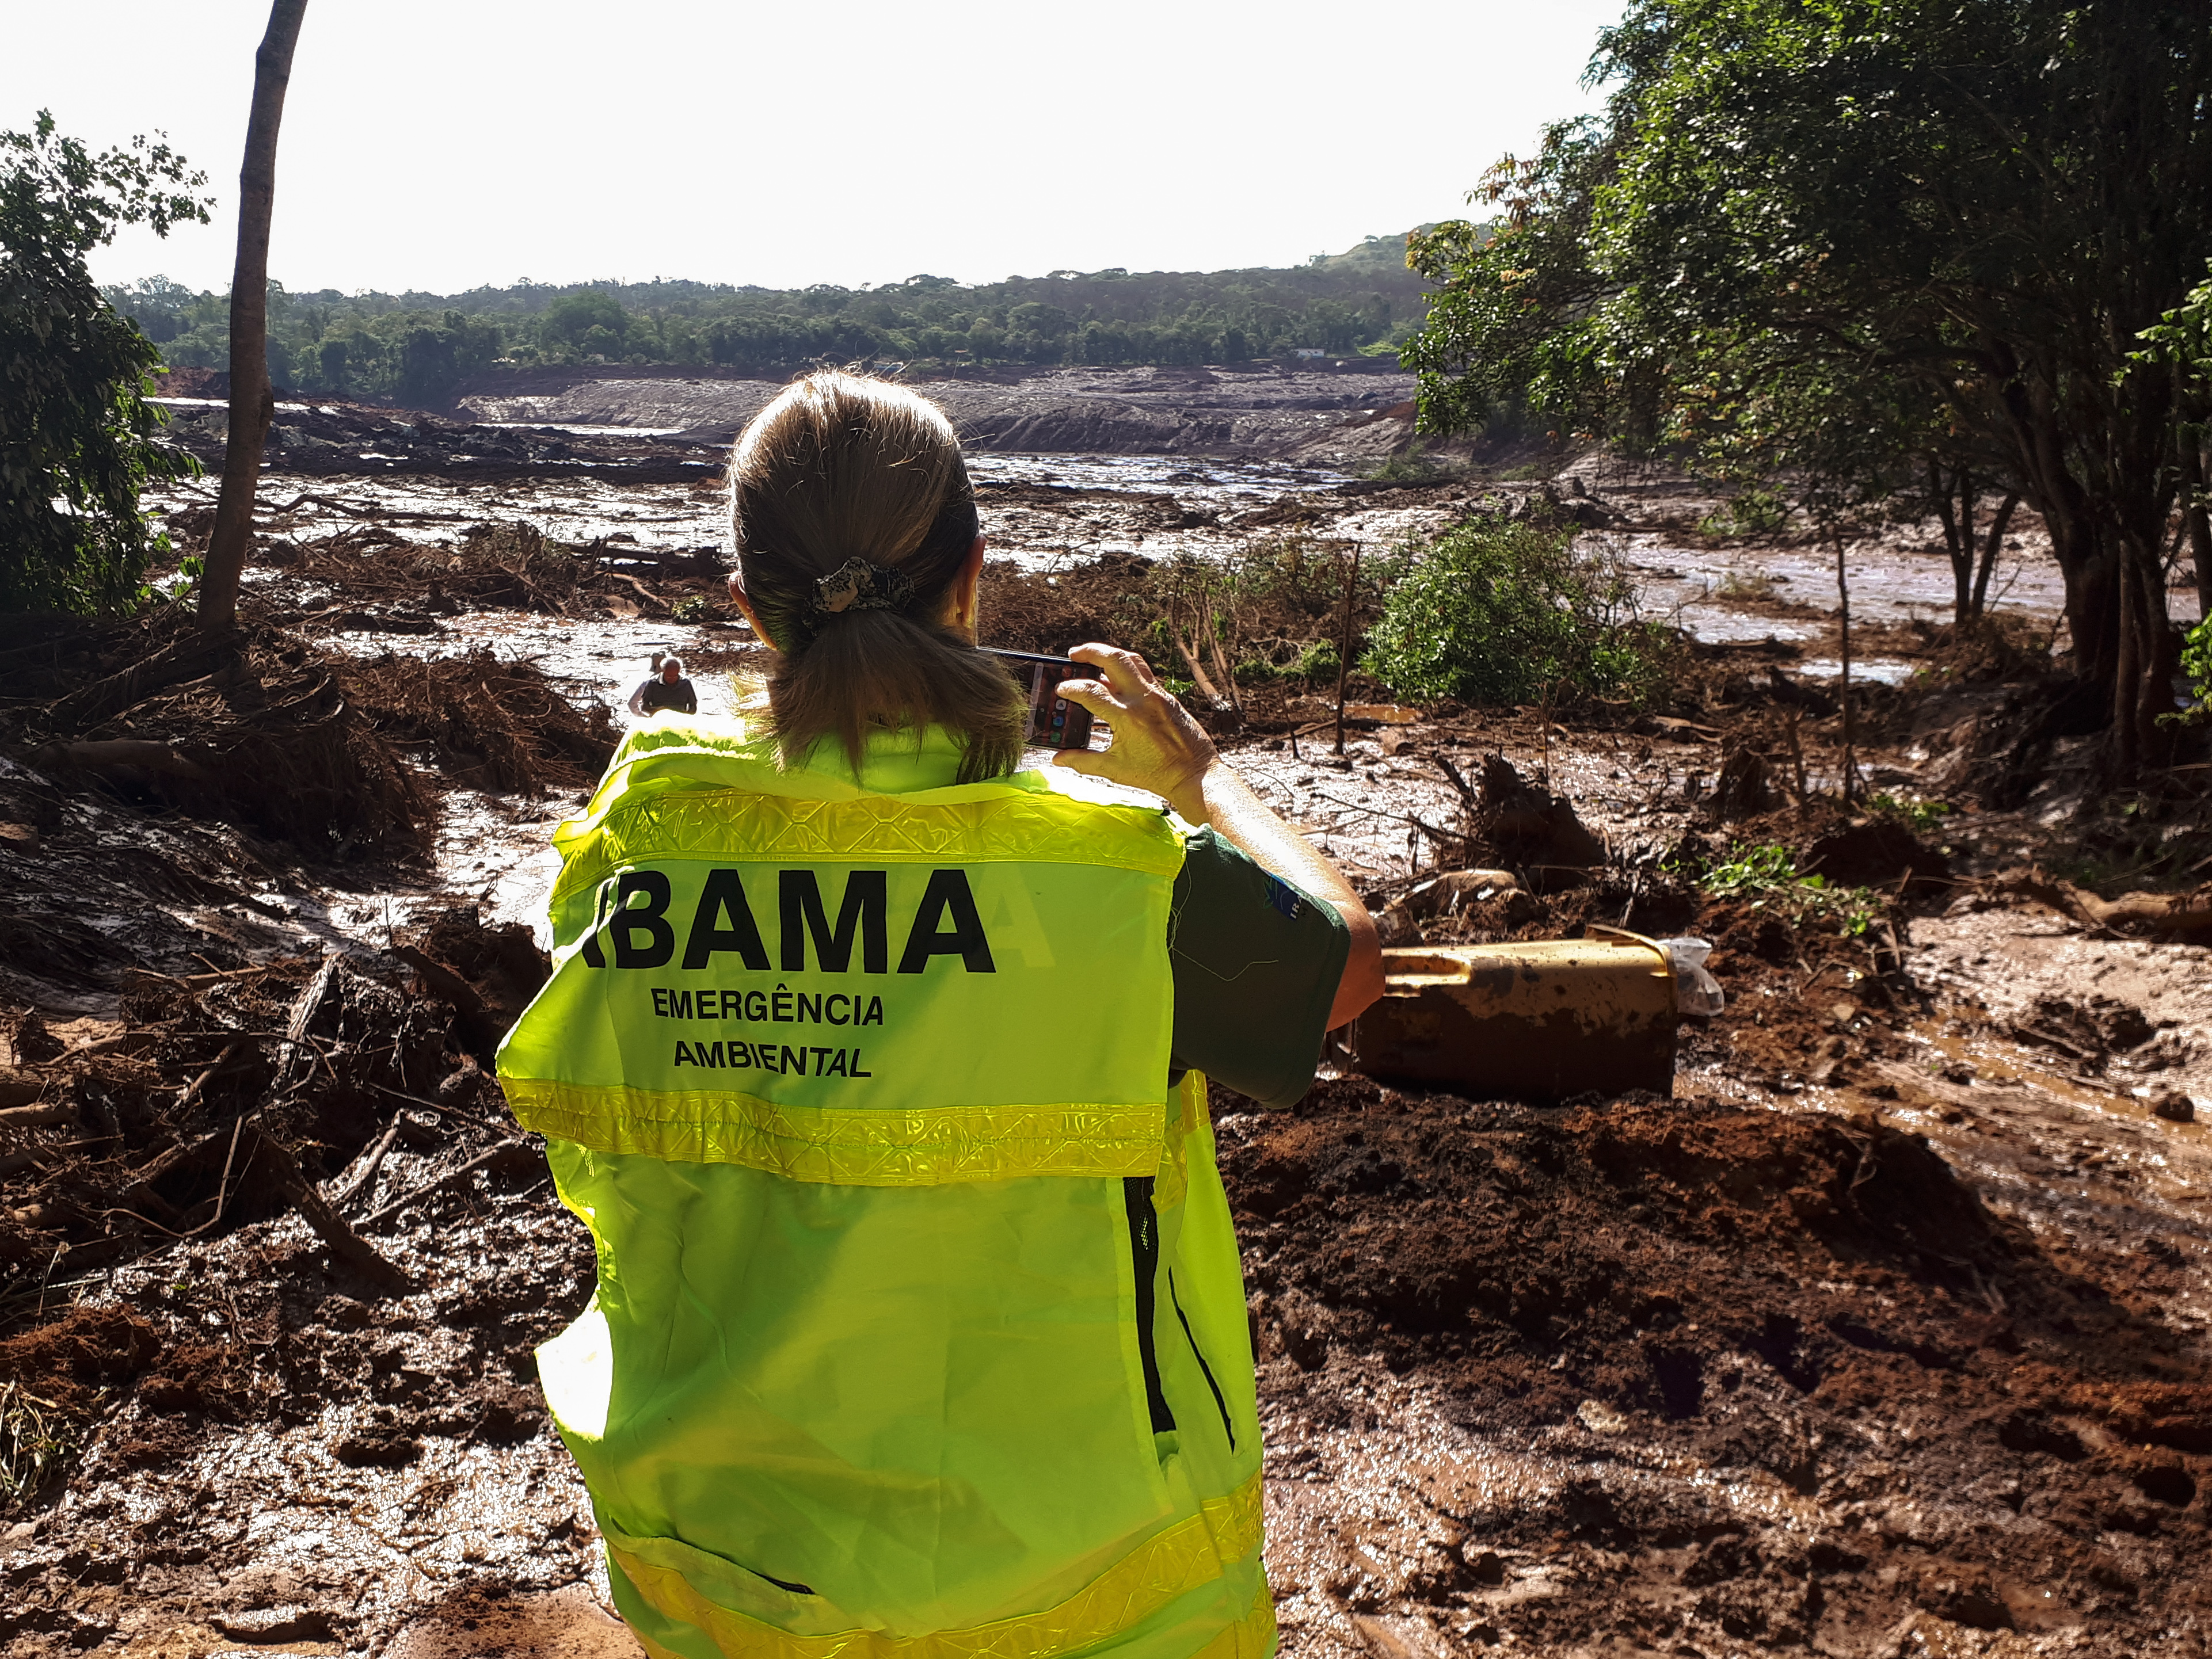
(1362, 810)
(1890, 583)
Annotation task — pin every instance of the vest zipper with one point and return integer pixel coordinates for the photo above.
(1145, 1253)
(1219, 1404)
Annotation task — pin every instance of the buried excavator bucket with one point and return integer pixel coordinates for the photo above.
(1539, 1022)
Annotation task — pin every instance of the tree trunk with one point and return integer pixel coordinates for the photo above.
(2091, 566)
(1844, 626)
(1958, 533)
(253, 405)
(2142, 677)
(1990, 549)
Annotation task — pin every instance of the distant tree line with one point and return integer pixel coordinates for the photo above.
(416, 348)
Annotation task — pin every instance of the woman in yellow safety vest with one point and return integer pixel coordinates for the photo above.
(877, 1067)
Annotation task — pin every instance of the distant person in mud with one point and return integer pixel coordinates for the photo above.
(666, 688)
(878, 1068)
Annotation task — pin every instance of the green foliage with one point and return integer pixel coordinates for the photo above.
(78, 437)
(1920, 817)
(1757, 510)
(1766, 875)
(365, 345)
(1828, 246)
(1316, 664)
(1751, 869)
(593, 318)
(2182, 338)
(1497, 613)
(2197, 664)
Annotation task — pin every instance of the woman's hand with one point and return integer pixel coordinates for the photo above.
(1156, 745)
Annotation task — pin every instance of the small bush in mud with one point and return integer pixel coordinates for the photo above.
(1413, 465)
(1920, 817)
(1497, 613)
(1767, 876)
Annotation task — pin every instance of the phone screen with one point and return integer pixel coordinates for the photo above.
(1054, 723)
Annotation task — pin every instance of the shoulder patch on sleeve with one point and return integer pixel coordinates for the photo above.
(1282, 896)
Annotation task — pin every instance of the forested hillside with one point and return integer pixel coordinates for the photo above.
(416, 348)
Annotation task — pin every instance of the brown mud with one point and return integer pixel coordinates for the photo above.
(1886, 1334)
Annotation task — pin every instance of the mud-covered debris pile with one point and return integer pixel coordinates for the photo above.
(1721, 1376)
(493, 724)
(224, 1092)
(339, 440)
(262, 1454)
(249, 726)
(385, 584)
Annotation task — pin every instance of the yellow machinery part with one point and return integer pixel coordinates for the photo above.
(1544, 1021)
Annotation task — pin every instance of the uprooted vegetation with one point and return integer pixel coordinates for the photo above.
(260, 728)
(495, 725)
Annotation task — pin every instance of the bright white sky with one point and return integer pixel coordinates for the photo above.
(441, 147)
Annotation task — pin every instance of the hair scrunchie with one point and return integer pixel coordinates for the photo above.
(860, 585)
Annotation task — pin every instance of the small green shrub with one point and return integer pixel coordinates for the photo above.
(1754, 511)
(1745, 584)
(1411, 465)
(1767, 876)
(2197, 664)
(1751, 869)
(1498, 612)
(1316, 662)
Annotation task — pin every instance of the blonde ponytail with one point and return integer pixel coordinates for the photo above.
(855, 515)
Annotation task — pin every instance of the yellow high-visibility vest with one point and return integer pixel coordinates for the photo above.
(919, 1331)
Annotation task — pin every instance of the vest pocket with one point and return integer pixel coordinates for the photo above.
(1145, 1254)
(1198, 1354)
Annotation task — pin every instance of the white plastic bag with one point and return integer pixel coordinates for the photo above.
(1696, 992)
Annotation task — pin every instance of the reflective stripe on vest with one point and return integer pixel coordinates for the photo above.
(1193, 1553)
(877, 990)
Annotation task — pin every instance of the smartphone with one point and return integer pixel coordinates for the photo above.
(1054, 723)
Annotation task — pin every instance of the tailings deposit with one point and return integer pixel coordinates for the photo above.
(1884, 1333)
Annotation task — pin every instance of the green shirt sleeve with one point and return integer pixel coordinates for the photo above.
(1256, 965)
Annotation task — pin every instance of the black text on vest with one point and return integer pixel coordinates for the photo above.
(633, 914)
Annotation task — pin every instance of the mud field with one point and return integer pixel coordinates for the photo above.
(1887, 1334)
